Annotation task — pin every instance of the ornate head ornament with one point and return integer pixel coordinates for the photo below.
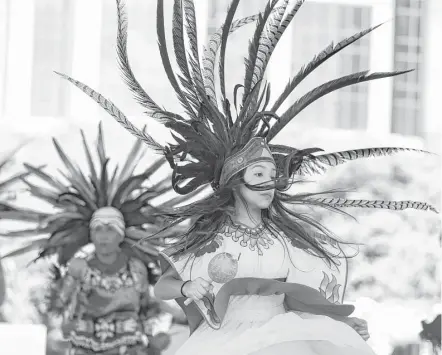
(108, 216)
(256, 150)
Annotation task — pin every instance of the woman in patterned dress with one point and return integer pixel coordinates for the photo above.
(114, 312)
(105, 298)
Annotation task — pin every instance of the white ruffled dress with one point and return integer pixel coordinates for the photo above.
(260, 325)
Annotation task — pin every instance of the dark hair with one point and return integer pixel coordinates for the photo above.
(211, 213)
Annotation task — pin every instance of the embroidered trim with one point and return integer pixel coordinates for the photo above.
(94, 278)
(253, 238)
(88, 343)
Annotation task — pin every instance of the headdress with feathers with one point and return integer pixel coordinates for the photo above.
(81, 194)
(7, 210)
(208, 134)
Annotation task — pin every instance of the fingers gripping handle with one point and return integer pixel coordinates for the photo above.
(190, 300)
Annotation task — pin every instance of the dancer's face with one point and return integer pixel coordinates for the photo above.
(258, 173)
(106, 238)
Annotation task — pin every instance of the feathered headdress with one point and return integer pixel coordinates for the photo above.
(208, 135)
(81, 194)
(7, 210)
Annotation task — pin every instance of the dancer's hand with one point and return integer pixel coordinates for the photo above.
(197, 289)
(359, 325)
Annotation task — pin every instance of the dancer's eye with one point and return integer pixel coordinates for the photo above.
(259, 174)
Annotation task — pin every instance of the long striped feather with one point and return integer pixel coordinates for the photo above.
(181, 56)
(274, 32)
(115, 113)
(211, 52)
(325, 89)
(254, 58)
(337, 158)
(317, 60)
(140, 94)
(268, 41)
(318, 164)
(390, 205)
(178, 38)
(192, 34)
(224, 36)
(166, 61)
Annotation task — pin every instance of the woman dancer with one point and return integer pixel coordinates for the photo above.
(247, 264)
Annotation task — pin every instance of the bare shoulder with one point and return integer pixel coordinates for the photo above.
(77, 267)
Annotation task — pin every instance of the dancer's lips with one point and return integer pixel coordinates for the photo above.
(267, 195)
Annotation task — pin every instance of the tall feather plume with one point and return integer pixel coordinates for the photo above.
(123, 60)
(203, 142)
(192, 34)
(256, 52)
(224, 36)
(325, 89)
(181, 56)
(166, 61)
(267, 41)
(115, 113)
(211, 52)
(318, 59)
(274, 32)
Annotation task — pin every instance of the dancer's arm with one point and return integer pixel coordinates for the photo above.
(170, 286)
(69, 283)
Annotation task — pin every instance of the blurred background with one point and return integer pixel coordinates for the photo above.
(395, 280)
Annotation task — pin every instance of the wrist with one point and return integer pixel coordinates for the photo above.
(183, 290)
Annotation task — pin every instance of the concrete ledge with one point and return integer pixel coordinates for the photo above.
(22, 339)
